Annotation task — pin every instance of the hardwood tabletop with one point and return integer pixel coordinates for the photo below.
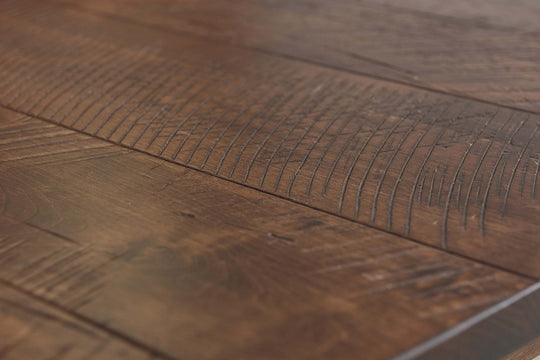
(269, 179)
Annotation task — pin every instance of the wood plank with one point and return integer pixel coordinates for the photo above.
(33, 330)
(495, 333)
(441, 46)
(517, 15)
(199, 268)
(450, 172)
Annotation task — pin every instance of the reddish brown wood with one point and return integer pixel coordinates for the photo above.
(198, 268)
(169, 195)
(31, 329)
(453, 173)
(495, 333)
(483, 49)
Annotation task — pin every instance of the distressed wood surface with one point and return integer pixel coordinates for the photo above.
(495, 333)
(32, 329)
(198, 268)
(180, 185)
(450, 172)
(483, 49)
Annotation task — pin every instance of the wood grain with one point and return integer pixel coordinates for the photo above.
(32, 329)
(197, 268)
(454, 173)
(483, 49)
(510, 325)
(269, 180)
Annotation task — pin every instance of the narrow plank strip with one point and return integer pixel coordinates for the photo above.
(199, 268)
(500, 13)
(510, 325)
(483, 49)
(449, 172)
(33, 330)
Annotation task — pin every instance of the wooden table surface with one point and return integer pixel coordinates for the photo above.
(272, 179)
